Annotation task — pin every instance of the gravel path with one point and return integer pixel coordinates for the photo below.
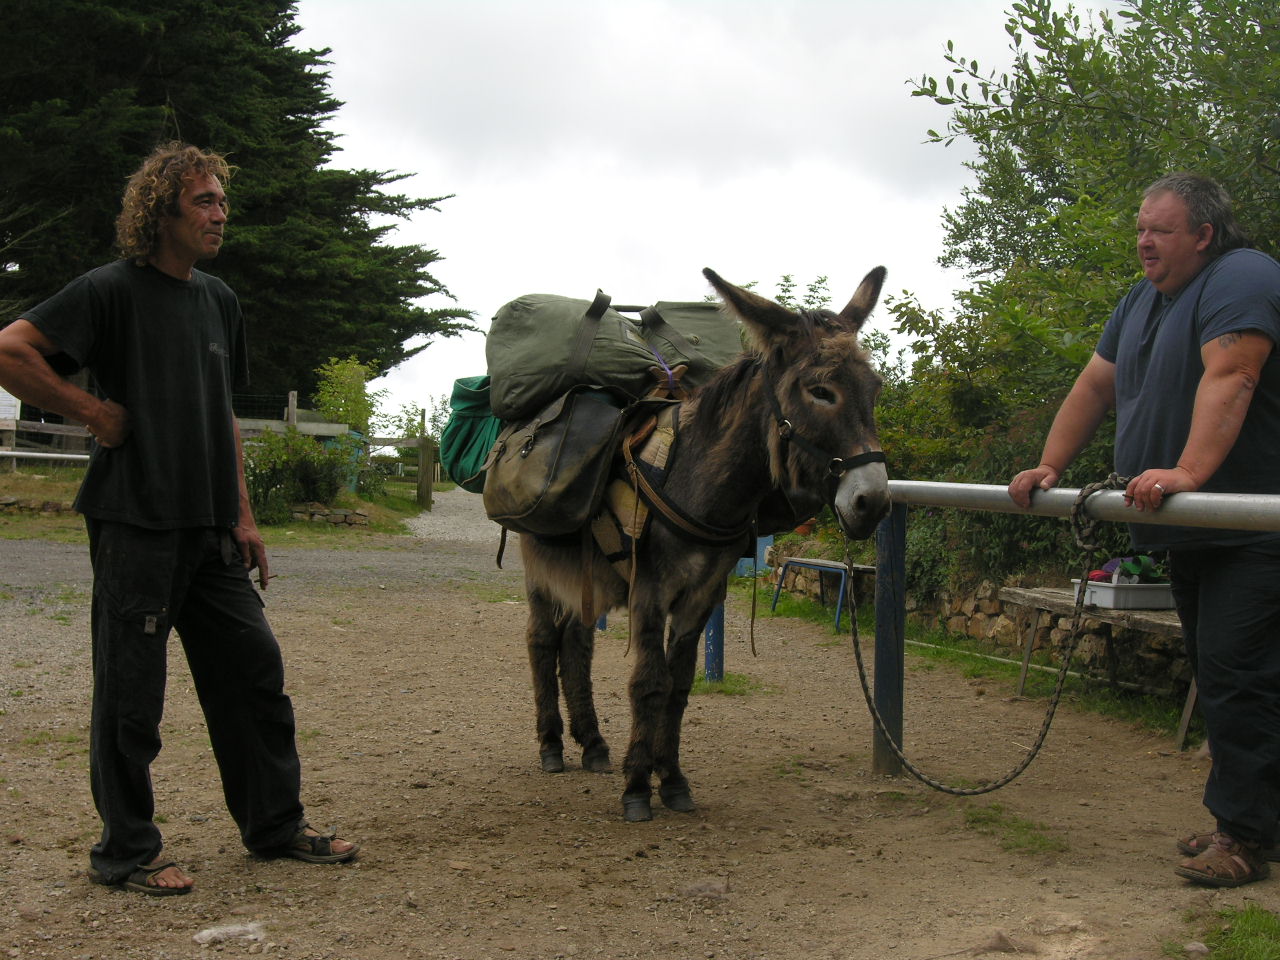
(458, 516)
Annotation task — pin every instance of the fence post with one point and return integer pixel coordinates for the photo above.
(891, 618)
(8, 441)
(713, 647)
(426, 464)
(291, 409)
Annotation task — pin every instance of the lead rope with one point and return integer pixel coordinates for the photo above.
(1083, 530)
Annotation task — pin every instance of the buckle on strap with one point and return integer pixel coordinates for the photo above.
(839, 466)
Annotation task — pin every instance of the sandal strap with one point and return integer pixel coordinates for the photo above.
(321, 843)
(1227, 857)
(149, 870)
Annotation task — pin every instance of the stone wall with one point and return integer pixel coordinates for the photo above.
(27, 505)
(1153, 660)
(1150, 660)
(319, 513)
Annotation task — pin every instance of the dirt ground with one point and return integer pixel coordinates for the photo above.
(408, 673)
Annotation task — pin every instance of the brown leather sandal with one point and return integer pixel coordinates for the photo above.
(1225, 863)
(1198, 843)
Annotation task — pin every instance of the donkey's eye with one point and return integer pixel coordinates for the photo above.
(822, 394)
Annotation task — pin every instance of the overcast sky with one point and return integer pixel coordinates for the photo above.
(627, 144)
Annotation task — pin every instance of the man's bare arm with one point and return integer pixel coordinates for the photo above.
(25, 372)
(1077, 420)
(1232, 367)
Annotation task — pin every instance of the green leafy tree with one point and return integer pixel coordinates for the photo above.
(88, 87)
(1092, 108)
(342, 394)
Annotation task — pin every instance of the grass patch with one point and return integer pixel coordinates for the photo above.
(804, 608)
(57, 528)
(1015, 834)
(733, 685)
(46, 483)
(498, 594)
(43, 737)
(387, 513)
(969, 658)
(1159, 714)
(1249, 934)
(789, 769)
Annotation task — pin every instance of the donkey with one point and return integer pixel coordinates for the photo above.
(787, 427)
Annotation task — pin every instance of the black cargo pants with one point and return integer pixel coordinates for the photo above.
(192, 580)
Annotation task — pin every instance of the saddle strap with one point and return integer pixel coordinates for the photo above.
(675, 517)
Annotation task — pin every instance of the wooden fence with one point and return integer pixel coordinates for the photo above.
(37, 440)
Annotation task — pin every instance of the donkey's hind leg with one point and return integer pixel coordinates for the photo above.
(543, 637)
(576, 651)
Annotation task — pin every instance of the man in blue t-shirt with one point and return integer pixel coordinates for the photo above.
(172, 536)
(1189, 364)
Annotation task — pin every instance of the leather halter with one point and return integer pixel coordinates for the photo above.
(836, 466)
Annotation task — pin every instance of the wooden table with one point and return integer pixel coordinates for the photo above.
(1062, 602)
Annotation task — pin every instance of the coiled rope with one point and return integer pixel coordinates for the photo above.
(1084, 529)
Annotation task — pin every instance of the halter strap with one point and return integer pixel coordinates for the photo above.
(836, 466)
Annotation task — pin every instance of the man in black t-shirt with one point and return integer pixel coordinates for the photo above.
(172, 536)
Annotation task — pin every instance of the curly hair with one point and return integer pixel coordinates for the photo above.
(153, 190)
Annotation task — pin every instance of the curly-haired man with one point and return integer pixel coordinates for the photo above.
(172, 537)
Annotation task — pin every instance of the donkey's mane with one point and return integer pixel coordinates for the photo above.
(723, 392)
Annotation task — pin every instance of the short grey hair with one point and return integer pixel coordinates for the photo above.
(1207, 202)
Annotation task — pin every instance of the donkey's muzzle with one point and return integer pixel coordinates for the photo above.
(862, 499)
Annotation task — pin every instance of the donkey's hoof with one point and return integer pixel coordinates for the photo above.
(678, 799)
(636, 807)
(596, 760)
(552, 761)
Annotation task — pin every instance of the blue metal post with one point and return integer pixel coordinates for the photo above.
(713, 663)
(891, 621)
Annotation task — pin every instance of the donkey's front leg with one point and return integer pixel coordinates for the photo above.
(649, 689)
(682, 655)
(544, 636)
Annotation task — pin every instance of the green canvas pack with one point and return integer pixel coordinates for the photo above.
(467, 438)
(541, 345)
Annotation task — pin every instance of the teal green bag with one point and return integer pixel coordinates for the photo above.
(467, 438)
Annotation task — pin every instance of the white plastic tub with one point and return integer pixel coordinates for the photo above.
(1127, 596)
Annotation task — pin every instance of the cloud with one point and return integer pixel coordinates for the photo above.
(628, 144)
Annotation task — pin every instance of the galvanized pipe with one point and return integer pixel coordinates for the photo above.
(1234, 511)
(37, 455)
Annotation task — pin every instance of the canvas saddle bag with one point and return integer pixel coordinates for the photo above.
(546, 476)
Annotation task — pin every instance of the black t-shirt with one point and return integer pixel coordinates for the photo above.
(169, 351)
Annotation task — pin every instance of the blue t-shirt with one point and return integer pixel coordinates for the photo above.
(169, 351)
(1155, 343)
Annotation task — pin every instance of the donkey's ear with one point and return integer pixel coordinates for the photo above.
(864, 299)
(754, 310)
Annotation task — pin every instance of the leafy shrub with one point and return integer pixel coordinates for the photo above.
(371, 482)
(283, 469)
